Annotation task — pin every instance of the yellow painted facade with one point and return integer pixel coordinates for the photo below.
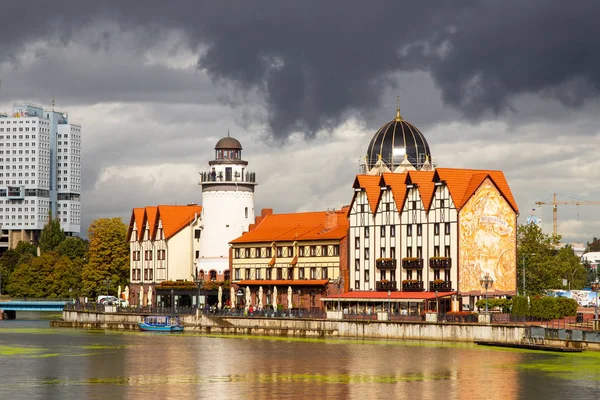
(487, 242)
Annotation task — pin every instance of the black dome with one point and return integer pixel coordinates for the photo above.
(228, 143)
(400, 135)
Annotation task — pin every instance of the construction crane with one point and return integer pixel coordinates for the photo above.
(557, 203)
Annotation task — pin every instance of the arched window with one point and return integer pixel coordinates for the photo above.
(226, 276)
(246, 211)
(213, 275)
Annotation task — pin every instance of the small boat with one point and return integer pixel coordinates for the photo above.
(161, 323)
(531, 346)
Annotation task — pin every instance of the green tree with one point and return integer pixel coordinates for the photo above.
(570, 268)
(535, 252)
(108, 257)
(52, 235)
(594, 245)
(34, 278)
(9, 261)
(73, 247)
(66, 277)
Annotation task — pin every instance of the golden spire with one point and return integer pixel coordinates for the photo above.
(379, 157)
(398, 116)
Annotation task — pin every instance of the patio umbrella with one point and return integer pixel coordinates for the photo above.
(247, 297)
(274, 298)
(289, 297)
(141, 296)
(119, 293)
(260, 298)
(232, 297)
(220, 303)
(150, 296)
(127, 293)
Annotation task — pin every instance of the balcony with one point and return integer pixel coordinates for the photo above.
(412, 285)
(214, 177)
(412, 262)
(440, 262)
(384, 286)
(440, 286)
(386, 263)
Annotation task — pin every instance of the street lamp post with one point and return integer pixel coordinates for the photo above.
(595, 286)
(487, 282)
(437, 308)
(269, 297)
(389, 304)
(299, 298)
(172, 302)
(339, 283)
(240, 296)
(107, 282)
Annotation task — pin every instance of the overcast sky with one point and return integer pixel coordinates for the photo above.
(509, 85)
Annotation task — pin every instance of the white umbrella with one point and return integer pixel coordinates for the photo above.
(232, 297)
(247, 297)
(127, 293)
(220, 303)
(119, 293)
(150, 296)
(141, 296)
(289, 297)
(260, 298)
(275, 298)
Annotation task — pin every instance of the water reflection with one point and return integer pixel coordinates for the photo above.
(65, 363)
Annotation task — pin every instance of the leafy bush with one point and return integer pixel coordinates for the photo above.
(495, 303)
(520, 307)
(544, 307)
(567, 307)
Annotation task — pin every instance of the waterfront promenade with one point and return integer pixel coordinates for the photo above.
(291, 326)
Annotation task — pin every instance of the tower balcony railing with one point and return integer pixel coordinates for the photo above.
(211, 176)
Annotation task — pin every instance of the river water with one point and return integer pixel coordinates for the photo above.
(39, 362)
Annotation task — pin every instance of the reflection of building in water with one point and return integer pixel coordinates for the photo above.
(422, 233)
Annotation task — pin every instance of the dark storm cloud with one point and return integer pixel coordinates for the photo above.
(313, 62)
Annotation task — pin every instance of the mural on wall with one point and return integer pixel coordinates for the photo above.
(487, 238)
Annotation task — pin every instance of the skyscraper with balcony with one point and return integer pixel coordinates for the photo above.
(40, 173)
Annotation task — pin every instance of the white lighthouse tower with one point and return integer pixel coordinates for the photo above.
(227, 208)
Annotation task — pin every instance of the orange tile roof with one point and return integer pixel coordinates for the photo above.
(397, 183)
(462, 184)
(296, 226)
(371, 185)
(175, 218)
(461, 187)
(137, 217)
(426, 185)
(150, 218)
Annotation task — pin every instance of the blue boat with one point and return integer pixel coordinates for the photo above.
(161, 323)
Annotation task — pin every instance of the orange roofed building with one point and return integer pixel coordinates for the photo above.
(291, 259)
(420, 237)
(164, 244)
